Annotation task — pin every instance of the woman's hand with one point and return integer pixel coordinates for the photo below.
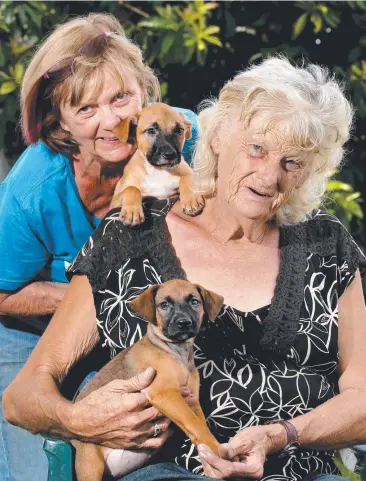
(245, 454)
(120, 416)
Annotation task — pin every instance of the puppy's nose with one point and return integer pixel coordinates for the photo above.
(184, 323)
(169, 154)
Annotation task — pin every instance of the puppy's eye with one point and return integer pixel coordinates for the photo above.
(164, 305)
(179, 130)
(195, 302)
(150, 131)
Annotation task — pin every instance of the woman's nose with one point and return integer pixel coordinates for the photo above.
(109, 119)
(270, 174)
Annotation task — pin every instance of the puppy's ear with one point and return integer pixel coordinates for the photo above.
(126, 129)
(212, 302)
(188, 126)
(144, 304)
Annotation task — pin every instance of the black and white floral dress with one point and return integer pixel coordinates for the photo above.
(277, 362)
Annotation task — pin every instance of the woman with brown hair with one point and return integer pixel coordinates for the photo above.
(83, 80)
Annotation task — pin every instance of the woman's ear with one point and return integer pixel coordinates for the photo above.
(64, 126)
(215, 143)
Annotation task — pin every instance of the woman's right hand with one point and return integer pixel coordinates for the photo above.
(120, 416)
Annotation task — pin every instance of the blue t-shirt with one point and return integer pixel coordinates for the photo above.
(43, 222)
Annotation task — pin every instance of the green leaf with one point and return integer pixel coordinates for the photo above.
(18, 73)
(256, 56)
(299, 25)
(211, 30)
(167, 42)
(5, 76)
(156, 22)
(201, 46)
(188, 54)
(334, 185)
(353, 196)
(317, 21)
(213, 40)
(7, 88)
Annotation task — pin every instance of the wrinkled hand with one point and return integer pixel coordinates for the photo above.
(244, 455)
(120, 416)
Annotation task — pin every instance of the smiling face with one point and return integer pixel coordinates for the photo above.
(91, 122)
(257, 170)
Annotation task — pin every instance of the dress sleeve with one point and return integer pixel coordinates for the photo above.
(350, 258)
(93, 260)
(112, 243)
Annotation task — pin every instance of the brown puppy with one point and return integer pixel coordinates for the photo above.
(157, 168)
(175, 311)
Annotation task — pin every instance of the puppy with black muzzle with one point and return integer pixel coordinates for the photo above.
(175, 311)
(157, 168)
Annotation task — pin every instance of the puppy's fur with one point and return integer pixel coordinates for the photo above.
(175, 311)
(157, 168)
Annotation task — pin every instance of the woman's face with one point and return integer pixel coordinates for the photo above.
(257, 171)
(91, 124)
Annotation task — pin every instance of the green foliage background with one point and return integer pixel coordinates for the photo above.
(197, 46)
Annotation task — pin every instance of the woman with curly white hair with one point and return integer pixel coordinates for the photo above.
(283, 366)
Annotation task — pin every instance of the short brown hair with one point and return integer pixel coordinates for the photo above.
(41, 99)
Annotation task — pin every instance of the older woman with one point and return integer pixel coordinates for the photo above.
(288, 345)
(82, 81)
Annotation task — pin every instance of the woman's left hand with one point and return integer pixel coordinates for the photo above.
(244, 455)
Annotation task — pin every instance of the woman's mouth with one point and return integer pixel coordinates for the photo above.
(258, 193)
(108, 139)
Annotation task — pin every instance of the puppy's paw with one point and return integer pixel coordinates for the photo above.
(132, 215)
(192, 204)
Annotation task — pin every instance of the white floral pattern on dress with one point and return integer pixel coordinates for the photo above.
(241, 384)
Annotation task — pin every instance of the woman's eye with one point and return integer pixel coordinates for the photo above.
(256, 149)
(164, 305)
(122, 97)
(291, 165)
(195, 302)
(85, 110)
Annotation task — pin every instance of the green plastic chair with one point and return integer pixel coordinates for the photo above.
(60, 456)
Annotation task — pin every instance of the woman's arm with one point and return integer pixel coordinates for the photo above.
(32, 400)
(37, 298)
(117, 415)
(339, 422)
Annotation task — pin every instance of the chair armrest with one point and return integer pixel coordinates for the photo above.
(60, 456)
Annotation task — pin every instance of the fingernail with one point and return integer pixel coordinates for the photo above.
(149, 371)
(184, 390)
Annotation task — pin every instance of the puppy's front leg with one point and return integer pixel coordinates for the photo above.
(130, 200)
(192, 203)
(171, 403)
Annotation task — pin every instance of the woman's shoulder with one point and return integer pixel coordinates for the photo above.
(37, 167)
(112, 243)
(324, 234)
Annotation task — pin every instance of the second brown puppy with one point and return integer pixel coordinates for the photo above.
(157, 168)
(175, 311)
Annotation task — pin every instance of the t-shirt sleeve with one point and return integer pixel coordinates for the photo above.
(189, 145)
(350, 258)
(22, 252)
